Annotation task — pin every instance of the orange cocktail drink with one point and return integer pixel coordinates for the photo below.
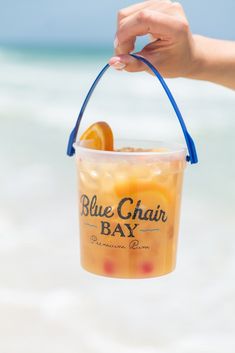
(129, 208)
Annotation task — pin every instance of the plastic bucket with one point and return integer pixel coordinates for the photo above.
(129, 202)
(129, 208)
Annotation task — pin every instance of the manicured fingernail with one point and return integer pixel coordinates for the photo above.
(151, 38)
(118, 65)
(116, 42)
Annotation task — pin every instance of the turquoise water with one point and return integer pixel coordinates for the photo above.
(47, 302)
(56, 52)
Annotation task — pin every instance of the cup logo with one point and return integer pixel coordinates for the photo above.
(127, 210)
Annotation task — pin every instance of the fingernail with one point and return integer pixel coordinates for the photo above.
(118, 65)
(116, 42)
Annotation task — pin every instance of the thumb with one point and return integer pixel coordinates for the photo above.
(128, 63)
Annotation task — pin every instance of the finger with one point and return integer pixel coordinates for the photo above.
(145, 22)
(169, 8)
(127, 63)
(178, 9)
(134, 9)
(165, 6)
(131, 64)
(123, 13)
(174, 9)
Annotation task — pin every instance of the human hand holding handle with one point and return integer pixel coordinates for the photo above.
(173, 49)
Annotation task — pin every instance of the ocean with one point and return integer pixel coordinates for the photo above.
(47, 302)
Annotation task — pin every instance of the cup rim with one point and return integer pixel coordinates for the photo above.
(174, 148)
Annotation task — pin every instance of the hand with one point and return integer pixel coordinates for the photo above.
(172, 47)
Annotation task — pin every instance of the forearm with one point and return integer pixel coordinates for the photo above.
(214, 61)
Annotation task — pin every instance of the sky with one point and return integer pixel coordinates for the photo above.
(94, 22)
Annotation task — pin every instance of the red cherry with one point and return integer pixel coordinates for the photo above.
(147, 267)
(109, 267)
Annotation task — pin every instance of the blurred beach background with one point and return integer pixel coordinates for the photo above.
(48, 60)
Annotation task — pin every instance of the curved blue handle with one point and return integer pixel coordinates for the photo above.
(192, 157)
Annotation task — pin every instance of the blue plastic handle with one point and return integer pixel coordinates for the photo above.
(192, 157)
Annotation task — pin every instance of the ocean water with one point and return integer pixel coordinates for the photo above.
(47, 302)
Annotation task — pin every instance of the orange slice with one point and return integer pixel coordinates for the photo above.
(132, 187)
(98, 136)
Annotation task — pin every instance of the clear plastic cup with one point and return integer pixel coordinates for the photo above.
(129, 208)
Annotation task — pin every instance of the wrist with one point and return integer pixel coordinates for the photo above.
(212, 60)
(199, 60)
